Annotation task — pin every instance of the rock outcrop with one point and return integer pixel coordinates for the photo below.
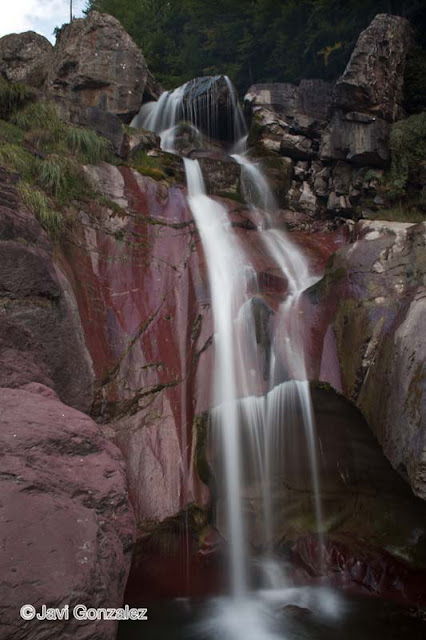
(67, 528)
(67, 525)
(373, 79)
(373, 298)
(327, 131)
(25, 57)
(97, 64)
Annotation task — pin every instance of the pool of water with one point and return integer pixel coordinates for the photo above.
(289, 614)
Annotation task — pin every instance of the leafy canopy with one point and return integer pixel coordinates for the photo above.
(250, 40)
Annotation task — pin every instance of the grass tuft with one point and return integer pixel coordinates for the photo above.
(38, 115)
(16, 158)
(86, 144)
(148, 165)
(40, 205)
(399, 213)
(13, 96)
(60, 177)
(10, 133)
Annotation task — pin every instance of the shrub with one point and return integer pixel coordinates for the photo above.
(38, 202)
(13, 96)
(407, 144)
(415, 81)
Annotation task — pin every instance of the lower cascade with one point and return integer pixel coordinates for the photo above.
(261, 404)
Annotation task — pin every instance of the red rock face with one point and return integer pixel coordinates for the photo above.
(365, 570)
(143, 305)
(67, 529)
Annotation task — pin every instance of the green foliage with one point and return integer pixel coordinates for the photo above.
(60, 177)
(86, 144)
(10, 133)
(148, 165)
(415, 81)
(14, 157)
(407, 144)
(13, 96)
(48, 133)
(38, 115)
(400, 213)
(250, 40)
(38, 202)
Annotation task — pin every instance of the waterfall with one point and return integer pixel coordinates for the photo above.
(196, 103)
(228, 282)
(255, 430)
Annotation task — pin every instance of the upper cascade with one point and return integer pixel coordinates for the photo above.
(210, 104)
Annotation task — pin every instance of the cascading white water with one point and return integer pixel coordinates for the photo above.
(226, 269)
(189, 105)
(253, 432)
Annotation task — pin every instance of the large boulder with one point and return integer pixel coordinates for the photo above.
(67, 526)
(369, 95)
(25, 57)
(374, 77)
(97, 64)
(373, 295)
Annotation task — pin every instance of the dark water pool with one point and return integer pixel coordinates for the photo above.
(303, 614)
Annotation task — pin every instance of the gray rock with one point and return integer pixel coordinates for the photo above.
(25, 57)
(378, 292)
(311, 98)
(356, 142)
(97, 64)
(106, 124)
(373, 79)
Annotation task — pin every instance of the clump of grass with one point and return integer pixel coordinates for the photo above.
(51, 135)
(399, 213)
(13, 96)
(10, 133)
(37, 201)
(86, 144)
(60, 177)
(38, 115)
(148, 165)
(15, 158)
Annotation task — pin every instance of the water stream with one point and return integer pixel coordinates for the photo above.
(252, 428)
